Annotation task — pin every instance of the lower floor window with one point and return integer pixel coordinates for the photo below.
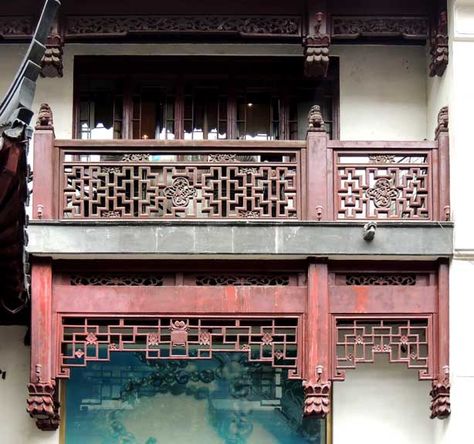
(225, 399)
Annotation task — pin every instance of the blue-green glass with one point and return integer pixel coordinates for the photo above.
(222, 400)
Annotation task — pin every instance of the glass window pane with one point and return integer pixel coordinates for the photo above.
(221, 400)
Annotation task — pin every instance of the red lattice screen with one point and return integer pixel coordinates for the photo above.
(383, 186)
(181, 185)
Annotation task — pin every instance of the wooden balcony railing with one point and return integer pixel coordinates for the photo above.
(320, 179)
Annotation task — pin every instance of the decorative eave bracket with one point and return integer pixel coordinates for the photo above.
(439, 48)
(316, 51)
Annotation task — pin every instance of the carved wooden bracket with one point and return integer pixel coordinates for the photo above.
(439, 46)
(440, 399)
(52, 61)
(43, 405)
(316, 398)
(316, 51)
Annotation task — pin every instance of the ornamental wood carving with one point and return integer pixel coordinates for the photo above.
(397, 188)
(402, 340)
(16, 27)
(273, 340)
(268, 25)
(117, 279)
(440, 398)
(316, 51)
(52, 61)
(45, 118)
(43, 405)
(239, 279)
(315, 120)
(402, 279)
(206, 189)
(354, 27)
(443, 121)
(439, 49)
(317, 398)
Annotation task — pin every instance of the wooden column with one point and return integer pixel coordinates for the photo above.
(42, 400)
(317, 205)
(442, 136)
(317, 386)
(44, 171)
(440, 392)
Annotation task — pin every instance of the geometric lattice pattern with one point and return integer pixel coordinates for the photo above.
(372, 186)
(404, 341)
(197, 188)
(264, 340)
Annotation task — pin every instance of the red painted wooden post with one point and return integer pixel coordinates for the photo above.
(442, 136)
(42, 401)
(317, 207)
(440, 392)
(317, 386)
(44, 205)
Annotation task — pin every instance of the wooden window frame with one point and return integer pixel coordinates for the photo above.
(131, 75)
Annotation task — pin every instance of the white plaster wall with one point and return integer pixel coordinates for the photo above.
(383, 92)
(382, 403)
(16, 427)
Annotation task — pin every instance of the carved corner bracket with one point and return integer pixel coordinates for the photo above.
(43, 405)
(439, 46)
(52, 61)
(316, 51)
(317, 400)
(440, 398)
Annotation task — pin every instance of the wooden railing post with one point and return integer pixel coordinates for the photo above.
(44, 205)
(442, 137)
(316, 384)
(317, 207)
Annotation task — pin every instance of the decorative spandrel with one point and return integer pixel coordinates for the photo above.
(403, 341)
(225, 400)
(383, 186)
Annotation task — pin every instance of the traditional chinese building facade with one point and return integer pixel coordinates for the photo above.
(242, 222)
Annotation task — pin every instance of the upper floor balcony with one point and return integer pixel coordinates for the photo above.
(313, 180)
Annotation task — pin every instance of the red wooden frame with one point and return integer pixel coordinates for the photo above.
(307, 306)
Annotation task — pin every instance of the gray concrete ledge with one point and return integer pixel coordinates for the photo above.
(226, 239)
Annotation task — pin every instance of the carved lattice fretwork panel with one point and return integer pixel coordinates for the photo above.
(405, 341)
(202, 187)
(265, 340)
(399, 279)
(242, 279)
(117, 279)
(388, 186)
(266, 25)
(352, 27)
